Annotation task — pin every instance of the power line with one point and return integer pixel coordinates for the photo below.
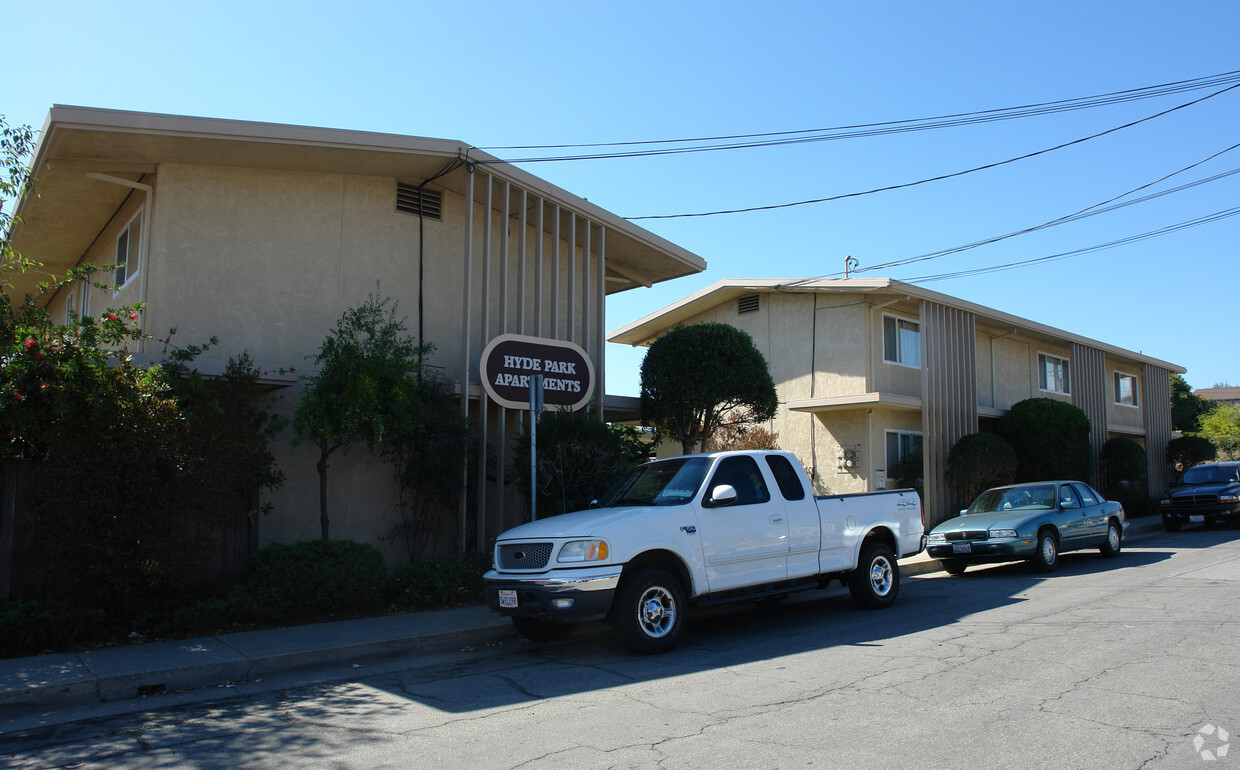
(941, 177)
(1207, 219)
(860, 130)
(1088, 211)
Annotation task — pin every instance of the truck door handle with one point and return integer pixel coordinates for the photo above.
(777, 519)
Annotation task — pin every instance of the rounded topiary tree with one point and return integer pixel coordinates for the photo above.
(1123, 464)
(1186, 451)
(702, 378)
(977, 462)
(1051, 439)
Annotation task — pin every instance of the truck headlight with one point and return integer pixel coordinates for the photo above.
(1229, 499)
(1003, 533)
(583, 550)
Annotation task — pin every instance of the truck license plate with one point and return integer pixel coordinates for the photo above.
(507, 598)
(962, 548)
(1197, 519)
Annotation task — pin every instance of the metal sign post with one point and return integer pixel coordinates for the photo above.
(536, 406)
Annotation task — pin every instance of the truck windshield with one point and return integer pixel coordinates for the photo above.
(1211, 474)
(666, 482)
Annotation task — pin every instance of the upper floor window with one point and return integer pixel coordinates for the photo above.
(1125, 389)
(1053, 374)
(127, 246)
(901, 341)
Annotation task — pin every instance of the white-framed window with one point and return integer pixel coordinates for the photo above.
(901, 445)
(128, 246)
(85, 295)
(1053, 375)
(901, 341)
(1126, 389)
(71, 314)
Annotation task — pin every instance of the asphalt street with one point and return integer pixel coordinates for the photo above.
(1104, 663)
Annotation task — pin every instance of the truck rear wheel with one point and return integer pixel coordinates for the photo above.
(649, 611)
(876, 580)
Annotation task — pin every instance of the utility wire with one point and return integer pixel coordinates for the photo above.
(1207, 219)
(1088, 211)
(861, 130)
(941, 177)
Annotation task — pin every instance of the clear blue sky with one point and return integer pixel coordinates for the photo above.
(496, 74)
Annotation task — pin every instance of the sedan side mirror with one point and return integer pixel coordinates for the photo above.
(724, 494)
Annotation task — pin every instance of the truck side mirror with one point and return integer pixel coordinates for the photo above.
(724, 494)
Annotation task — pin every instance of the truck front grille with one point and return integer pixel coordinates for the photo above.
(1194, 501)
(524, 556)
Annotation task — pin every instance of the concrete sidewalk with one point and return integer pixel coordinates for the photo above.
(156, 668)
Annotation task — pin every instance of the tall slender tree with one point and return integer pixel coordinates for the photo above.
(366, 388)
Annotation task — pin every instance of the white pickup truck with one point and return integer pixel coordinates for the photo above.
(702, 529)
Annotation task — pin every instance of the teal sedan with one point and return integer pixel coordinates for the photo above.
(1033, 522)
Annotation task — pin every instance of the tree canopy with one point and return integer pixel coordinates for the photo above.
(1186, 407)
(698, 379)
(1221, 426)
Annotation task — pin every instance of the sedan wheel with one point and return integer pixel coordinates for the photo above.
(1110, 547)
(1046, 558)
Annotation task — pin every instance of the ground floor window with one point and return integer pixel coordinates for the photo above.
(901, 445)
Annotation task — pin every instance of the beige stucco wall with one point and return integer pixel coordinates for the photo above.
(266, 261)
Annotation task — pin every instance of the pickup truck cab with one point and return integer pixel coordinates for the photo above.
(699, 529)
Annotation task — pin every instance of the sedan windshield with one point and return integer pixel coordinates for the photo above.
(1212, 474)
(667, 482)
(1032, 498)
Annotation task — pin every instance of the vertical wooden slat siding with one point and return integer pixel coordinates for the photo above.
(1088, 384)
(1156, 409)
(601, 326)
(467, 282)
(949, 396)
(484, 410)
(504, 299)
(587, 344)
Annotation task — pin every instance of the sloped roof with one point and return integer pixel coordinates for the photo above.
(80, 148)
(645, 330)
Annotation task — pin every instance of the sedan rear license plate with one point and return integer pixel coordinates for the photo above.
(507, 598)
(1197, 519)
(962, 548)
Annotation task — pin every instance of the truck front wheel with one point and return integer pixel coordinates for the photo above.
(649, 611)
(876, 580)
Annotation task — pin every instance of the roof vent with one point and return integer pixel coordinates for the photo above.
(427, 202)
(747, 304)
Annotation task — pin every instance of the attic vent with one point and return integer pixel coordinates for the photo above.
(428, 203)
(747, 304)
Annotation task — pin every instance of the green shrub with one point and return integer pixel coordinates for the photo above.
(1123, 465)
(1051, 439)
(1135, 502)
(978, 462)
(579, 457)
(315, 577)
(436, 583)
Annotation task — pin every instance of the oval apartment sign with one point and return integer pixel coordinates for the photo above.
(510, 360)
